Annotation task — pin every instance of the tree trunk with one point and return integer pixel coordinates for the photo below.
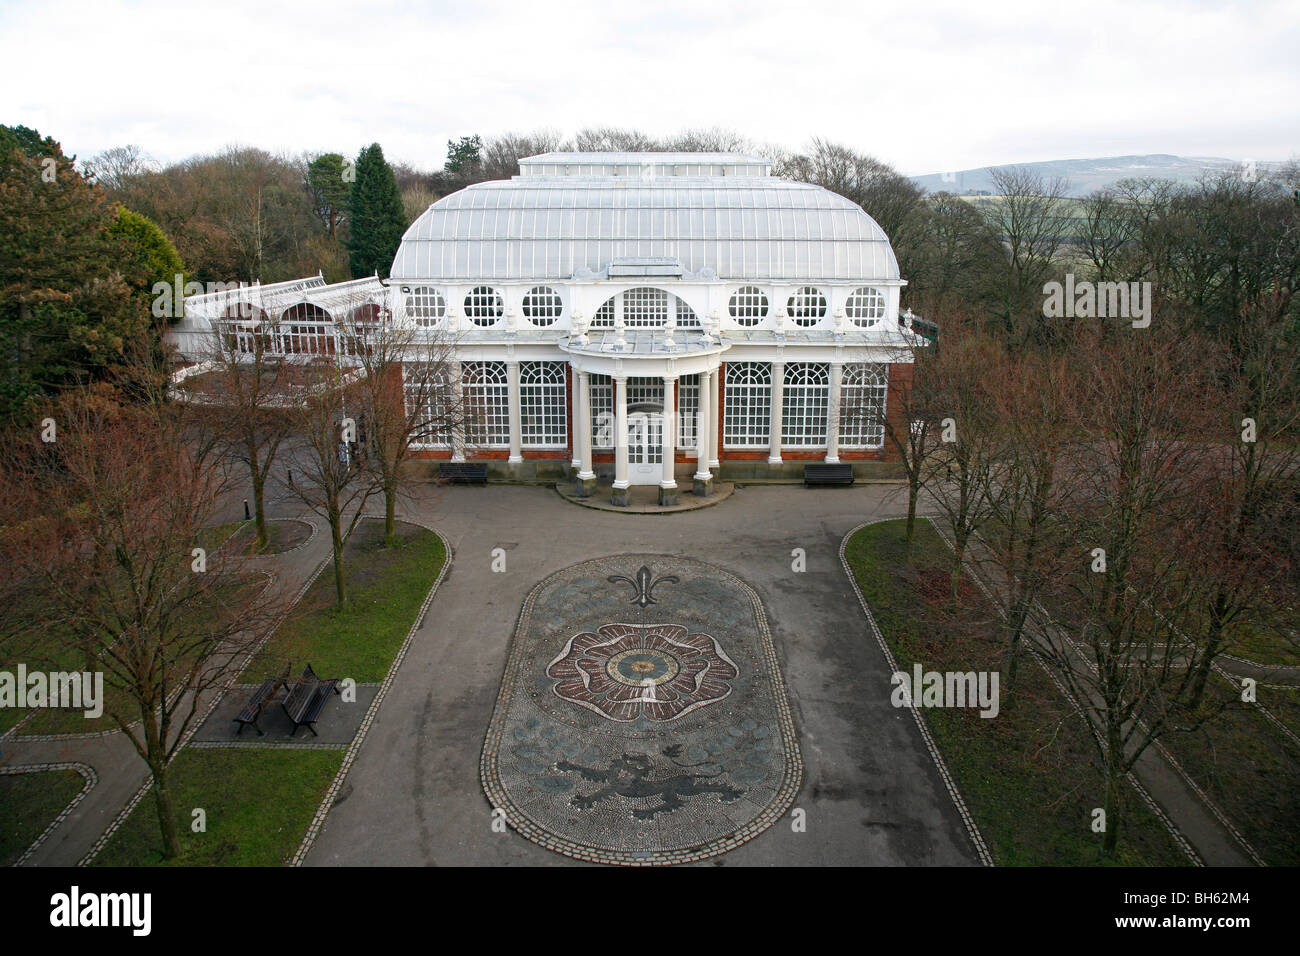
(913, 488)
(1114, 785)
(1213, 643)
(390, 512)
(156, 757)
(337, 537)
(259, 513)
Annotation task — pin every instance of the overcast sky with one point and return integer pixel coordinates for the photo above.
(926, 86)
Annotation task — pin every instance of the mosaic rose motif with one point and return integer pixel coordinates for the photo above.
(656, 671)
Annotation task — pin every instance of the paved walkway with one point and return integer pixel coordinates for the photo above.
(871, 794)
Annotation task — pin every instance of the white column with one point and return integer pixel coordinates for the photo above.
(516, 414)
(584, 403)
(669, 435)
(702, 432)
(833, 415)
(575, 418)
(458, 411)
(620, 433)
(778, 385)
(715, 418)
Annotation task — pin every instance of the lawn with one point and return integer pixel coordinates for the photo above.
(29, 802)
(1029, 776)
(386, 587)
(258, 804)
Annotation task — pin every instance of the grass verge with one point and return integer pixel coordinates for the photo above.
(1028, 776)
(385, 586)
(29, 802)
(257, 805)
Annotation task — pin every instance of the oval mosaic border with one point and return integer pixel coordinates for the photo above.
(522, 824)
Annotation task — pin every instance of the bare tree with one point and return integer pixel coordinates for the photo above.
(501, 154)
(1029, 216)
(907, 419)
(405, 396)
(110, 518)
(248, 392)
(962, 381)
(1125, 647)
(1033, 483)
(1243, 568)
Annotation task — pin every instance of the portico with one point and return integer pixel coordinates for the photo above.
(645, 370)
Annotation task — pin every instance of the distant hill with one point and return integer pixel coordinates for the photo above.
(1086, 175)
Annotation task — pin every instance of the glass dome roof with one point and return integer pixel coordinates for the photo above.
(558, 226)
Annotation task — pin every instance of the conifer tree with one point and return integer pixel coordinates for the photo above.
(375, 211)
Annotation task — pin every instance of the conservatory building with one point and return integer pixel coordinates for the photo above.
(637, 318)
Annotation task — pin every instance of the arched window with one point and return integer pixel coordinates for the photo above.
(645, 308)
(306, 329)
(542, 305)
(806, 307)
(543, 405)
(865, 307)
(805, 403)
(747, 409)
(604, 317)
(429, 404)
(484, 305)
(426, 306)
(748, 306)
(486, 392)
(686, 317)
(863, 390)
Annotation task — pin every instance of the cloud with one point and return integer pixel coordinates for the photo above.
(925, 85)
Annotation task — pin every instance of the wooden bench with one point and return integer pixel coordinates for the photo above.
(258, 703)
(824, 474)
(303, 704)
(463, 473)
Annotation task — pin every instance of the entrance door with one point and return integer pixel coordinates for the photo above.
(645, 448)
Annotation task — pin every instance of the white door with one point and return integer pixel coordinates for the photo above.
(645, 448)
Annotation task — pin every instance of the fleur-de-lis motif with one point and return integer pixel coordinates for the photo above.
(644, 585)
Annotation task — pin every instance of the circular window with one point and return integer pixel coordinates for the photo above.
(748, 305)
(484, 305)
(865, 307)
(426, 306)
(542, 305)
(806, 307)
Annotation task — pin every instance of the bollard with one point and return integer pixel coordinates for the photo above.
(247, 514)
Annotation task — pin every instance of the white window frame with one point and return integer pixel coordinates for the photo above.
(543, 405)
(864, 394)
(486, 390)
(747, 405)
(805, 404)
